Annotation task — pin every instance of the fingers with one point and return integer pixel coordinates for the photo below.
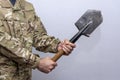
(46, 65)
(67, 42)
(52, 67)
(67, 49)
(67, 46)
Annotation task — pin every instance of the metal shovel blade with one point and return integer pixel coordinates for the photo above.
(90, 16)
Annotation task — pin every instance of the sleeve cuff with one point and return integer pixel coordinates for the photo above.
(36, 63)
(55, 45)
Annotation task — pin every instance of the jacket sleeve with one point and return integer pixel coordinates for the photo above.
(12, 48)
(42, 41)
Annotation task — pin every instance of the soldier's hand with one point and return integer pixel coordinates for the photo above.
(46, 65)
(66, 46)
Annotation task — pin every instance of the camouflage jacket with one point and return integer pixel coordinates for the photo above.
(20, 30)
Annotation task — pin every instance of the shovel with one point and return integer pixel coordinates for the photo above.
(87, 23)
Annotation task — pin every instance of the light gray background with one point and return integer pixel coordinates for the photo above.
(95, 58)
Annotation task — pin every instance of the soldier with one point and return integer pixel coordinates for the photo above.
(20, 30)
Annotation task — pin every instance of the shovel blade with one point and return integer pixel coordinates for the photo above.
(93, 16)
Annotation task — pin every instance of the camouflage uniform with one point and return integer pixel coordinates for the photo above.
(20, 30)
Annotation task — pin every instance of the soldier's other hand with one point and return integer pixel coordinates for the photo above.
(46, 65)
(66, 46)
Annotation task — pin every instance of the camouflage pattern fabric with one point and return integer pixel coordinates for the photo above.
(20, 30)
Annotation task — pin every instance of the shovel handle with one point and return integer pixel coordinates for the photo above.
(58, 55)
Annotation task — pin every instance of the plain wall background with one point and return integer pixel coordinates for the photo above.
(94, 58)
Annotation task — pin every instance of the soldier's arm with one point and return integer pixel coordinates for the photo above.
(12, 48)
(42, 41)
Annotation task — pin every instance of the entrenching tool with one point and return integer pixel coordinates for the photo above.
(87, 23)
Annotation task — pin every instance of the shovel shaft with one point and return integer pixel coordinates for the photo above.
(58, 55)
